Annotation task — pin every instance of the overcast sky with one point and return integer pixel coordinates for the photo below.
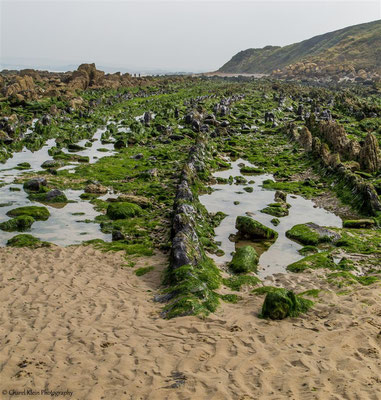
(172, 35)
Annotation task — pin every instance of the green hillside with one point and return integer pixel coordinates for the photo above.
(346, 50)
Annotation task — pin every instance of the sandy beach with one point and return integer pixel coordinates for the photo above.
(80, 320)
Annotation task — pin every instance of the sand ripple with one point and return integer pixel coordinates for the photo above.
(74, 318)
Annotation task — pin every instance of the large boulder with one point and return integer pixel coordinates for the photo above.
(254, 230)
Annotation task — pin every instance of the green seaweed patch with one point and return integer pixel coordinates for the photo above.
(144, 248)
(23, 166)
(345, 278)
(359, 223)
(20, 223)
(245, 259)
(143, 270)
(264, 290)
(252, 229)
(314, 261)
(122, 210)
(302, 233)
(26, 240)
(362, 241)
(275, 221)
(304, 188)
(44, 198)
(311, 293)
(217, 218)
(38, 213)
(193, 288)
(282, 303)
(251, 170)
(236, 282)
(276, 209)
(307, 250)
(230, 298)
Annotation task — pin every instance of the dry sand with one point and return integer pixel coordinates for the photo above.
(74, 318)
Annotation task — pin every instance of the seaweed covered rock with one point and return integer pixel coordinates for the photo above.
(359, 223)
(25, 240)
(312, 234)
(51, 164)
(96, 188)
(251, 229)
(52, 196)
(280, 196)
(282, 303)
(20, 223)
(38, 213)
(123, 210)
(314, 261)
(276, 209)
(245, 259)
(35, 184)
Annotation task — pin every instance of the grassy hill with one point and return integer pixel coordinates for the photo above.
(355, 49)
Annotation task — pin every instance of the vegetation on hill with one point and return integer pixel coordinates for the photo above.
(354, 51)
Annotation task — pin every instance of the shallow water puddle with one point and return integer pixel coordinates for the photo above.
(93, 152)
(35, 158)
(63, 227)
(284, 251)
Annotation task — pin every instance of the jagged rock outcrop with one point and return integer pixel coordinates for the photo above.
(369, 157)
(305, 139)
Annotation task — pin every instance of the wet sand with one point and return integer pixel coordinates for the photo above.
(75, 318)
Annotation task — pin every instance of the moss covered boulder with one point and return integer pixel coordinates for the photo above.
(38, 213)
(254, 230)
(282, 303)
(312, 234)
(245, 259)
(25, 240)
(20, 223)
(123, 210)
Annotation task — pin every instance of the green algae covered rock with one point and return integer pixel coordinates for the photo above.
(312, 234)
(52, 196)
(276, 209)
(25, 240)
(282, 303)
(38, 213)
(122, 210)
(314, 261)
(275, 221)
(359, 223)
(251, 229)
(245, 259)
(20, 223)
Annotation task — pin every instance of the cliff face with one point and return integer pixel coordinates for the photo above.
(354, 51)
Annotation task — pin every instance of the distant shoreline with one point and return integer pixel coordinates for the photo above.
(230, 75)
